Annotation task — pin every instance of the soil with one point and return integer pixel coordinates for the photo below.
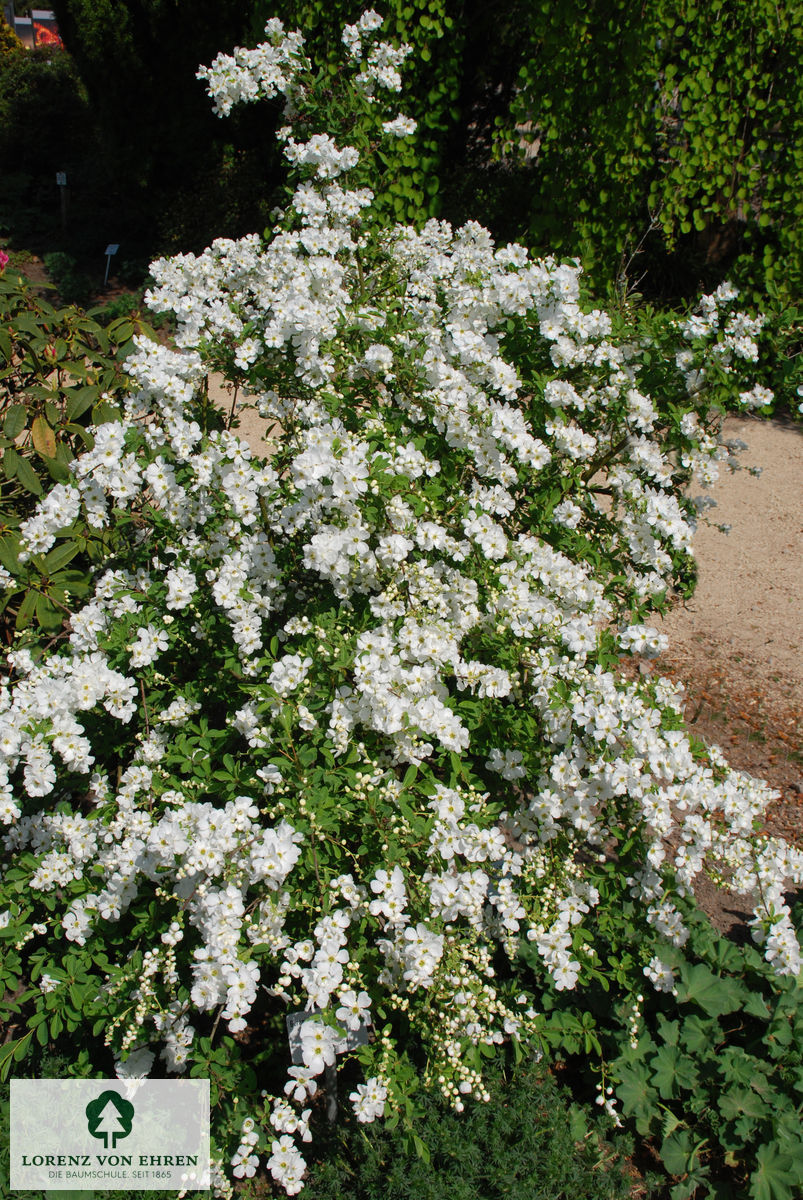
(32, 267)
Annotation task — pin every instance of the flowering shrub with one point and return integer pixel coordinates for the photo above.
(338, 730)
(59, 373)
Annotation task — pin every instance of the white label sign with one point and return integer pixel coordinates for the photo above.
(109, 1134)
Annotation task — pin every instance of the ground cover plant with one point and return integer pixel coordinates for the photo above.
(337, 736)
(530, 1141)
(710, 1074)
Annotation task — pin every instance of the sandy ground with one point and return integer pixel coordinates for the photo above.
(260, 434)
(745, 613)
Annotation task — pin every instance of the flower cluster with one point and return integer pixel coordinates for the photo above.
(341, 724)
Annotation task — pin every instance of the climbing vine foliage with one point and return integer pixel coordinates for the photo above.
(339, 731)
(679, 118)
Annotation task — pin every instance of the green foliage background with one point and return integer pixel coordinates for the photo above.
(675, 121)
(665, 143)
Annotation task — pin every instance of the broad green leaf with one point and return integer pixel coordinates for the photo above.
(668, 1030)
(26, 610)
(421, 1148)
(11, 461)
(680, 1152)
(28, 477)
(81, 432)
(57, 470)
(757, 1006)
(638, 1096)
(741, 1101)
(79, 400)
(713, 994)
(673, 1071)
(9, 551)
(775, 1177)
(103, 411)
(737, 1066)
(48, 615)
(15, 420)
(13, 1051)
(60, 555)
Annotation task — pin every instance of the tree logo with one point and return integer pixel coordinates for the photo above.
(110, 1116)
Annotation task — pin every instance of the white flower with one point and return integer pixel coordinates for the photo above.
(368, 1100)
(354, 1008)
(660, 975)
(149, 644)
(400, 126)
(317, 1045)
(136, 1066)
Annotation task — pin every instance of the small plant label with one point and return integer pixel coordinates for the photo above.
(97, 1134)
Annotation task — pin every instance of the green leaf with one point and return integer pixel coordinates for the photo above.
(28, 477)
(421, 1148)
(680, 1152)
(774, 1179)
(103, 411)
(9, 551)
(59, 556)
(741, 1101)
(12, 1052)
(11, 461)
(81, 432)
(699, 1035)
(48, 616)
(638, 1096)
(668, 1030)
(79, 400)
(673, 1071)
(713, 994)
(57, 470)
(757, 1006)
(26, 610)
(121, 330)
(15, 420)
(737, 1066)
